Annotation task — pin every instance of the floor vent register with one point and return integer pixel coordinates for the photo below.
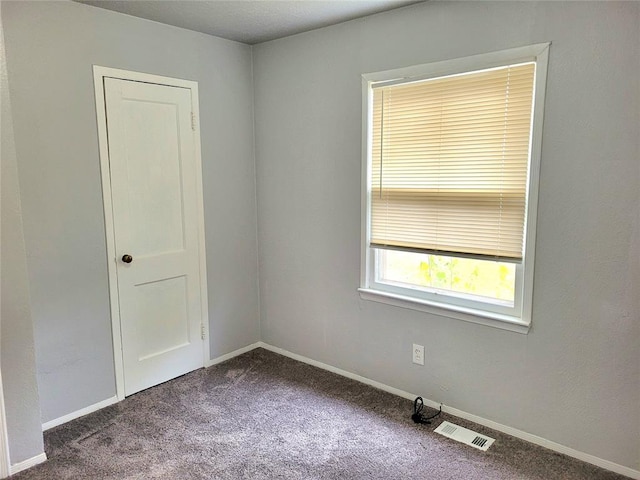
(464, 435)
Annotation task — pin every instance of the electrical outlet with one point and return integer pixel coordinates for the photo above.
(418, 354)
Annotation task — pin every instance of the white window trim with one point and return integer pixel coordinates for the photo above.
(521, 324)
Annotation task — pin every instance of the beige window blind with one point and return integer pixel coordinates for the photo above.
(450, 163)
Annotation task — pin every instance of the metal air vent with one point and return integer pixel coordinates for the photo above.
(464, 435)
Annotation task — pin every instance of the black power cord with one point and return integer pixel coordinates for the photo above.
(417, 416)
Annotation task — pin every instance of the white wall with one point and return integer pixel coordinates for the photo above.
(51, 47)
(16, 329)
(575, 378)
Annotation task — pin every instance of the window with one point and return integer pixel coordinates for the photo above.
(450, 181)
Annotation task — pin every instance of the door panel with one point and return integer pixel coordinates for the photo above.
(154, 179)
(154, 197)
(163, 315)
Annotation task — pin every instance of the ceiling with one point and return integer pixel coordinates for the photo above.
(250, 21)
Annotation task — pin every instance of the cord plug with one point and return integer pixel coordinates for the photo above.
(418, 417)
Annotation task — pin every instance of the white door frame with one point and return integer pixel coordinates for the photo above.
(5, 462)
(98, 75)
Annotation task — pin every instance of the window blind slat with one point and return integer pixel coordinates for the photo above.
(450, 163)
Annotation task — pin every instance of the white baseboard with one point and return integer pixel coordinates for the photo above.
(79, 413)
(28, 463)
(543, 442)
(110, 401)
(344, 373)
(585, 457)
(229, 356)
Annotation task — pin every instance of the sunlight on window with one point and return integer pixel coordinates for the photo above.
(491, 280)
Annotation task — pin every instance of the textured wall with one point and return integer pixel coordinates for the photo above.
(51, 47)
(16, 328)
(575, 378)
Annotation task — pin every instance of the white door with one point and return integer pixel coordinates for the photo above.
(154, 196)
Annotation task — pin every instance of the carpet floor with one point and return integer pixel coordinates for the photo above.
(265, 416)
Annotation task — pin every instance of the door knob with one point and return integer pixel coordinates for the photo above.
(127, 258)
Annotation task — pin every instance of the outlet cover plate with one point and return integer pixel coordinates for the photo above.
(418, 354)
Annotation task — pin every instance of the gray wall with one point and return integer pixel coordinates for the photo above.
(16, 330)
(575, 378)
(51, 47)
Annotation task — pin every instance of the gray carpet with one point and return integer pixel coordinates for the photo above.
(264, 416)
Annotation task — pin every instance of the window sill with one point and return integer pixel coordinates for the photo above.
(495, 320)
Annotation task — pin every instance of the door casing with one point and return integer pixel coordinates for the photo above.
(99, 73)
(5, 463)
